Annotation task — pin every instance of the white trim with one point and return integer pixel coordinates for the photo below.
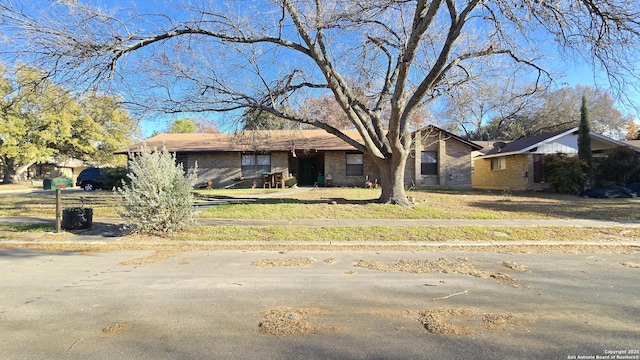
(556, 137)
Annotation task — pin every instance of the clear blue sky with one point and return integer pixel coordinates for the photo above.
(573, 74)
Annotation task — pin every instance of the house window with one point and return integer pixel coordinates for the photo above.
(499, 163)
(355, 165)
(254, 164)
(429, 163)
(183, 159)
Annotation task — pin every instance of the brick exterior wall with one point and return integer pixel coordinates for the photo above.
(454, 162)
(222, 167)
(219, 167)
(335, 163)
(454, 166)
(511, 178)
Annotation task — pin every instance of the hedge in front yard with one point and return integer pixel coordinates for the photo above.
(618, 167)
(566, 174)
(158, 199)
(115, 177)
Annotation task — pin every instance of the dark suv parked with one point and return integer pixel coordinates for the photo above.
(90, 179)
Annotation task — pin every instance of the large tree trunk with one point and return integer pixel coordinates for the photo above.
(13, 173)
(8, 171)
(392, 178)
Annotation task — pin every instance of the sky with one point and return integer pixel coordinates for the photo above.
(573, 74)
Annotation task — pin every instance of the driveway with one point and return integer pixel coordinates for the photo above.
(141, 304)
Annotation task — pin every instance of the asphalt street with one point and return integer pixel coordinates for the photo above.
(141, 304)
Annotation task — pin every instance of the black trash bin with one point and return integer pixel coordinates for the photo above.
(77, 218)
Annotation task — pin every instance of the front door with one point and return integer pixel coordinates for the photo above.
(309, 168)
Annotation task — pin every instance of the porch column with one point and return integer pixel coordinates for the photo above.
(442, 162)
(417, 162)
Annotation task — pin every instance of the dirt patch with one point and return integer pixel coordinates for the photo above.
(515, 266)
(631, 264)
(498, 321)
(446, 321)
(330, 260)
(299, 262)
(115, 329)
(158, 256)
(443, 266)
(507, 280)
(287, 321)
(451, 321)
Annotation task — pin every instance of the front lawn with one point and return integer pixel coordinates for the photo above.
(349, 203)
(355, 203)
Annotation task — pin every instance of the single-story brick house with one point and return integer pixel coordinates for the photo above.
(517, 165)
(312, 157)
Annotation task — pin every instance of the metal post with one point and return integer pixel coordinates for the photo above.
(58, 210)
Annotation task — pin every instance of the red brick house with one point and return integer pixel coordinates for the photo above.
(312, 156)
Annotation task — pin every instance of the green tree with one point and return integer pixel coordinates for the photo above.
(264, 120)
(584, 143)
(40, 121)
(158, 198)
(182, 126)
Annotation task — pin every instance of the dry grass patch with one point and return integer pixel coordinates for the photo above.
(456, 321)
(115, 329)
(451, 321)
(158, 256)
(515, 266)
(443, 265)
(293, 262)
(631, 264)
(446, 321)
(405, 233)
(287, 321)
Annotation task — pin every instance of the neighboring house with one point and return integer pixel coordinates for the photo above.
(311, 156)
(53, 168)
(444, 159)
(517, 165)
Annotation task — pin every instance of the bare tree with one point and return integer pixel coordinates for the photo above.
(470, 108)
(269, 55)
(560, 109)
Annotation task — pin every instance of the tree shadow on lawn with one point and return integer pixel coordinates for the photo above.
(289, 200)
(578, 208)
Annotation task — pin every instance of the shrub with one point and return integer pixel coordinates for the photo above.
(158, 197)
(566, 174)
(115, 177)
(619, 167)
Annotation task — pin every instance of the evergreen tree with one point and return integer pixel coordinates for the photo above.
(584, 142)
